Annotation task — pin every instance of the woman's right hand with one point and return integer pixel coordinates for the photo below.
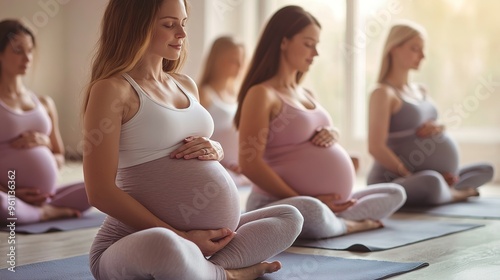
(329, 200)
(210, 241)
(429, 129)
(32, 196)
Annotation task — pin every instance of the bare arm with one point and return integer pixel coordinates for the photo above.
(382, 103)
(56, 141)
(254, 128)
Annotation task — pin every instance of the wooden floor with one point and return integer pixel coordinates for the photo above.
(473, 254)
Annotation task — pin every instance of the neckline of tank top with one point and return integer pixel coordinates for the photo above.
(138, 88)
(217, 98)
(403, 98)
(23, 113)
(316, 105)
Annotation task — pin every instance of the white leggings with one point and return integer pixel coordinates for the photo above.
(158, 253)
(376, 202)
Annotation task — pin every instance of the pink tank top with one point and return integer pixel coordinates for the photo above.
(307, 168)
(34, 167)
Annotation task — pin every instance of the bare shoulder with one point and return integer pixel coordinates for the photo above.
(261, 93)
(47, 102)
(115, 87)
(186, 81)
(383, 92)
(310, 93)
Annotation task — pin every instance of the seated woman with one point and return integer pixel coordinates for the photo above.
(218, 95)
(409, 146)
(288, 146)
(173, 210)
(31, 148)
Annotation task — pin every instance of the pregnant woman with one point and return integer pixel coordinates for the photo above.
(408, 146)
(288, 146)
(170, 203)
(31, 148)
(219, 96)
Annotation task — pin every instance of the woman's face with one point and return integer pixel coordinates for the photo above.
(169, 34)
(409, 54)
(300, 50)
(17, 56)
(230, 62)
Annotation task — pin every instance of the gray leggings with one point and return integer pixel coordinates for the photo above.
(158, 253)
(428, 187)
(375, 203)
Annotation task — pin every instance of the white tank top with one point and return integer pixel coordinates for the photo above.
(224, 132)
(156, 130)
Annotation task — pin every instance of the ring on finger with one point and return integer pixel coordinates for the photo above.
(205, 151)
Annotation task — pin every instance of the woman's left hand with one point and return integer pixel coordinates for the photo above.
(429, 129)
(325, 136)
(200, 148)
(31, 139)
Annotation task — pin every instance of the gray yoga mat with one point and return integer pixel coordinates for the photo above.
(295, 266)
(474, 207)
(87, 220)
(395, 233)
(300, 266)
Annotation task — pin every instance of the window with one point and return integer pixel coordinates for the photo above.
(461, 66)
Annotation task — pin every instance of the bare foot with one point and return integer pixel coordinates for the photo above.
(50, 212)
(355, 226)
(463, 194)
(254, 271)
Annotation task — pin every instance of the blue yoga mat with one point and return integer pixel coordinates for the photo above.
(87, 220)
(395, 233)
(295, 266)
(474, 207)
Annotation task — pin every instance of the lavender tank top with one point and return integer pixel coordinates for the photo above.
(35, 167)
(307, 168)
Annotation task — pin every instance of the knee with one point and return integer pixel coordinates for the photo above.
(158, 241)
(397, 192)
(489, 170)
(291, 216)
(431, 177)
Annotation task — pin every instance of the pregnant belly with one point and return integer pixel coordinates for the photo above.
(439, 153)
(186, 194)
(35, 168)
(312, 170)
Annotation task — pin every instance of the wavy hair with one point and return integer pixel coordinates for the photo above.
(126, 31)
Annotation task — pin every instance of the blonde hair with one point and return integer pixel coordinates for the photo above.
(126, 31)
(219, 47)
(399, 34)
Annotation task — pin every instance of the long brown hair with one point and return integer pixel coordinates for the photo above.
(10, 28)
(126, 31)
(399, 34)
(285, 23)
(219, 47)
